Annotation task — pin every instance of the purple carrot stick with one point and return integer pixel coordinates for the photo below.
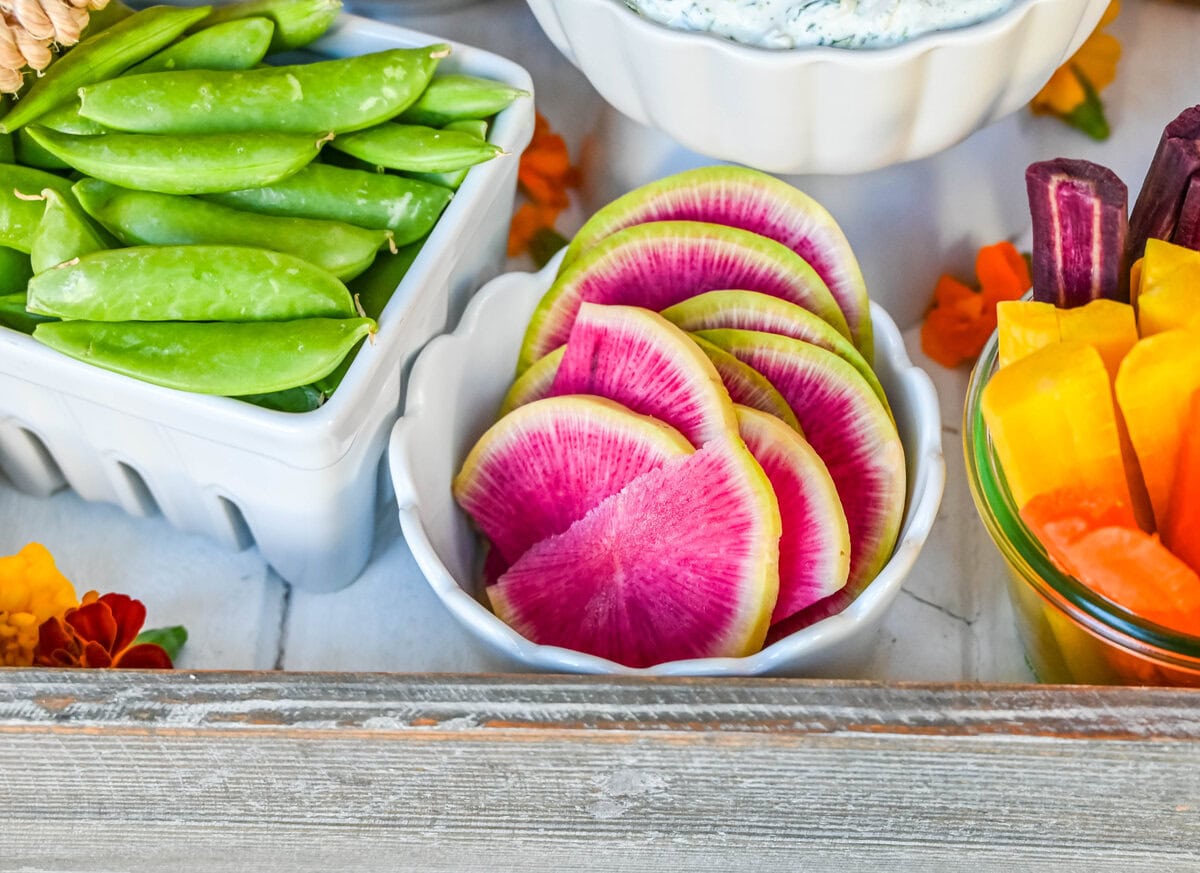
(1079, 217)
(1187, 228)
(1176, 161)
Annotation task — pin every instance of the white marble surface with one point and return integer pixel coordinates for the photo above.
(951, 622)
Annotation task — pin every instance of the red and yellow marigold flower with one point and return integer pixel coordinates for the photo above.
(101, 632)
(32, 590)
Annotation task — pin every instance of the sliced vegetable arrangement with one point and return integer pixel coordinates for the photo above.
(650, 494)
(170, 209)
(1094, 413)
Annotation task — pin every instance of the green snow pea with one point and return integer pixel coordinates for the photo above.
(374, 288)
(407, 207)
(185, 164)
(417, 148)
(103, 19)
(302, 398)
(337, 95)
(453, 179)
(231, 45)
(188, 283)
(100, 56)
(15, 271)
(454, 97)
(64, 233)
(66, 119)
(14, 316)
(297, 22)
(148, 218)
(211, 357)
(21, 205)
(8, 154)
(30, 154)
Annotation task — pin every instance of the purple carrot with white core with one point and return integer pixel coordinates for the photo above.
(1080, 221)
(1176, 162)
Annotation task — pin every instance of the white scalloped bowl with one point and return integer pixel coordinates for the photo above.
(818, 109)
(456, 387)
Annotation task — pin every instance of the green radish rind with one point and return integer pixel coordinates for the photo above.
(750, 310)
(713, 570)
(754, 201)
(534, 383)
(850, 429)
(214, 357)
(657, 265)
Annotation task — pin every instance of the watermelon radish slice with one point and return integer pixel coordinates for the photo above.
(534, 383)
(642, 361)
(850, 429)
(659, 264)
(754, 201)
(745, 384)
(749, 310)
(682, 563)
(814, 549)
(546, 464)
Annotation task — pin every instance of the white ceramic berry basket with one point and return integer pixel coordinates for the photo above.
(303, 488)
(457, 385)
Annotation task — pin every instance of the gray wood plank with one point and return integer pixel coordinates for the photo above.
(375, 772)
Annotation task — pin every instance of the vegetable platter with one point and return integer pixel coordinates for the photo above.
(302, 487)
(932, 753)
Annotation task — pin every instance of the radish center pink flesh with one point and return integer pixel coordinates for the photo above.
(815, 544)
(642, 361)
(557, 462)
(669, 568)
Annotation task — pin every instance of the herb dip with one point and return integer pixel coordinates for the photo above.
(784, 24)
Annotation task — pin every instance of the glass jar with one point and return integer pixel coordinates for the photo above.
(1070, 634)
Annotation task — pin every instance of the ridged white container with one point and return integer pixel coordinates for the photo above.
(819, 109)
(302, 487)
(457, 386)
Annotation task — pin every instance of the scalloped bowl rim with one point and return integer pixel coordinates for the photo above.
(979, 31)
(921, 507)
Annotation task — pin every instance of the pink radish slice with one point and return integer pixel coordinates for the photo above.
(546, 464)
(642, 361)
(682, 563)
(814, 549)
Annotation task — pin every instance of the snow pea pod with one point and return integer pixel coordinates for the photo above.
(302, 398)
(30, 154)
(407, 207)
(21, 206)
(100, 56)
(7, 153)
(297, 22)
(66, 119)
(14, 316)
(374, 288)
(337, 95)
(457, 96)
(186, 164)
(417, 148)
(211, 357)
(454, 179)
(188, 283)
(64, 233)
(149, 218)
(231, 45)
(15, 271)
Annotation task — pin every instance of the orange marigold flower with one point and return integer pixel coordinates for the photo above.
(544, 175)
(31, 591)
(99, 633)
(962, 319)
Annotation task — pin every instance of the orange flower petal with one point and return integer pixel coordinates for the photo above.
(1002, 272)
(144, 656)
